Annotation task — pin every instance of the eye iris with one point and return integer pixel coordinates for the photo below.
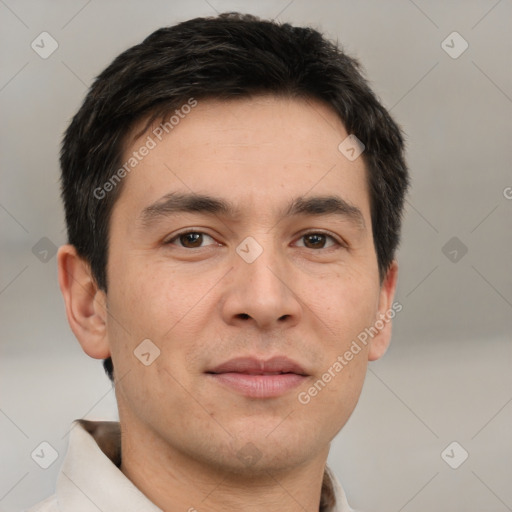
(315, 240)
(191, 239)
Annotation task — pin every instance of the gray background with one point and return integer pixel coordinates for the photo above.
(447, 376)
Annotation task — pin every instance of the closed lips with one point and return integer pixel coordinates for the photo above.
(254, 366)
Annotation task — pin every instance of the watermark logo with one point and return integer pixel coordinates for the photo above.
(249, 454)
(249, 249)
(454, 455)
(44, 455)
(454, 45)
(351, 147)
(146, 352)
(44, 45)
(44, 250)
(454, 249)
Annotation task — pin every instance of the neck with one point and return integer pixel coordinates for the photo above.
(174, 481)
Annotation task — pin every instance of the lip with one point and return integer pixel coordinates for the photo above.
(258, 378)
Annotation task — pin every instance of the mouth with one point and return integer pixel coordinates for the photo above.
(257, 378)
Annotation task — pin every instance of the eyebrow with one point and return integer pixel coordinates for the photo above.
(176, 202)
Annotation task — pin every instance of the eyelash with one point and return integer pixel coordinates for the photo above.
(327, 235)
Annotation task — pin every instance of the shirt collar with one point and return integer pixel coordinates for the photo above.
(90, 479)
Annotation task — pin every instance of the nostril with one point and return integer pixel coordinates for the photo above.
(244, 316)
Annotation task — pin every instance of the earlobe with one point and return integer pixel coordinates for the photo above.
(380, 343)
(85, 303)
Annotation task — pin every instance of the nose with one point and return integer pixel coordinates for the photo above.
(261, 293)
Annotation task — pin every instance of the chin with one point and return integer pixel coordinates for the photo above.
(276, 448)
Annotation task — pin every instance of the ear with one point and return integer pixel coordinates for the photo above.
(85, 303)
(380, 342)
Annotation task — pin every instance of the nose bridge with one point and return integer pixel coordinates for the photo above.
(260, 290)
(260, 264)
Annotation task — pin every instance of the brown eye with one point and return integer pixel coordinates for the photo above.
(314, 241)
(191, 240)
(318, 241)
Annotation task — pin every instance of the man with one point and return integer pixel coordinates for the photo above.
(233, 194)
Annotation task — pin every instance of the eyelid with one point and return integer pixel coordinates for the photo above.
(168, 240)
(337, 240)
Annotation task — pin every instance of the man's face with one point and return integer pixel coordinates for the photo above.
(226, 318)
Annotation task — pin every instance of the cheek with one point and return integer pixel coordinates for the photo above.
(330, 399)
(343, 307)
(137, 307)
(148, 305)
(152, 302)
(149, 299)
(346, 306)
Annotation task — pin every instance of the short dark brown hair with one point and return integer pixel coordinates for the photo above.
(225, 57)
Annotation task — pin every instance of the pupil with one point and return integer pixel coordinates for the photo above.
(191, 239)
(315, 240)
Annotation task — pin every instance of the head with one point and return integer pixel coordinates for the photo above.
(211, 210)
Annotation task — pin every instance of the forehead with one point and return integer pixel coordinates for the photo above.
(248, 150)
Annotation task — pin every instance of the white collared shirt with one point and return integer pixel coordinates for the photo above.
(89, 481)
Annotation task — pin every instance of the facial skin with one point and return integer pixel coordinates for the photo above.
(184, 430)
